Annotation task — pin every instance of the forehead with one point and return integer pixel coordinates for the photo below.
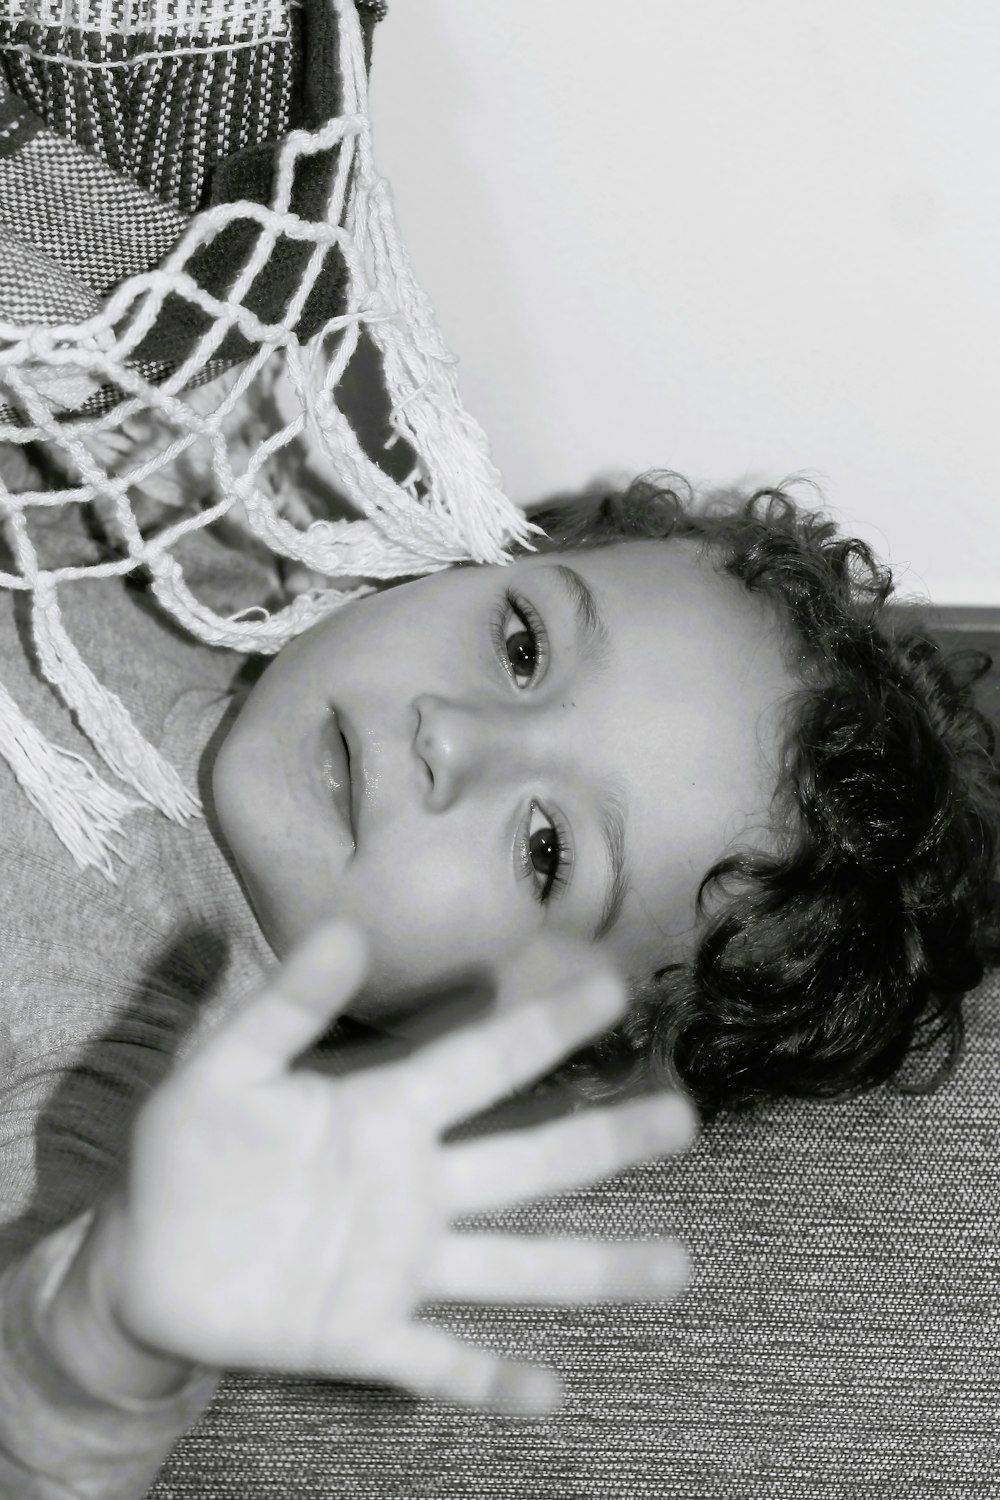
(690, 715)
(677, 584)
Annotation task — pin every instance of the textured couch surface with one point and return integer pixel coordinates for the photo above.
(840, 1335)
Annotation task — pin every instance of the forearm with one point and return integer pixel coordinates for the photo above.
(81, 1413)
(85, 1336)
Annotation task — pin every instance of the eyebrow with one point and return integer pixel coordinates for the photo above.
(613, 833)
(592, 631)
(594, 643)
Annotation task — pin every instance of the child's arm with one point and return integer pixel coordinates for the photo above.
(87, 1340)
(279, 1219)
(57, 1438)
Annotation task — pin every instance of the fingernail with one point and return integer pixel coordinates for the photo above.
(688, 1120)
(672, 1271)
(541, 1393)
(603, 995)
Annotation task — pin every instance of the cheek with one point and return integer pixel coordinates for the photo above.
(431, 908)
(393, 637)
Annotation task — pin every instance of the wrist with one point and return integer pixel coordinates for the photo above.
(85, 1331)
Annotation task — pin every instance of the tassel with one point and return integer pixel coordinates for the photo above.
(102, 715)
(84, 811)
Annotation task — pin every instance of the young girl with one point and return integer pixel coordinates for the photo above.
(525, 769)
(688, 750)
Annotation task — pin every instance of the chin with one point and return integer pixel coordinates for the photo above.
(271, 927)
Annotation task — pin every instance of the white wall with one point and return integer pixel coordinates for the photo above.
(739, 238)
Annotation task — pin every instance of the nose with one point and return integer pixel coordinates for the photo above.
(459, 744)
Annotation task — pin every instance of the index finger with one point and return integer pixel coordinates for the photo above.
(296, 1004)
(466, 1071)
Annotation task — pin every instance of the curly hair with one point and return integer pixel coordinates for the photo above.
(822, 966)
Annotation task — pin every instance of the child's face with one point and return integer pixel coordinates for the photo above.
(477, 748)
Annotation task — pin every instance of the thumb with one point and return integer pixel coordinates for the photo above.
(306, 993)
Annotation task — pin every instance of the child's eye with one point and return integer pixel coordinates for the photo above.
(546, 853)
(522, 651)
(520, 640)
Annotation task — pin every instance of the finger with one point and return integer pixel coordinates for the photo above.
(302, 998)
(568, 1153)
(500, 1268)
(435, 1365)
(464, 1072)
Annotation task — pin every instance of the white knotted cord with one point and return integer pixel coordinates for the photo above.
(459, 513)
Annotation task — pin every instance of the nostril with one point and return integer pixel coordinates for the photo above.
(421, 745)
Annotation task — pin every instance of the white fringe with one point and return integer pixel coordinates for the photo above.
(456, 512)
(85, 813)
(102, 715)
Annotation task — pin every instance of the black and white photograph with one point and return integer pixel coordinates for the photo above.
(499, 750)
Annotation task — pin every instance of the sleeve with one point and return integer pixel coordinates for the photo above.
(57, 1442)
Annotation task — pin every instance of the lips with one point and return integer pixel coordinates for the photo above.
(335, 771)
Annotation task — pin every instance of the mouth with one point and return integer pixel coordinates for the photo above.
(335, 773)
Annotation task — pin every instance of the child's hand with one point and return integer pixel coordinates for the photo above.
(284, 1220)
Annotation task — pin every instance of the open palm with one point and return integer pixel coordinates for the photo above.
(284, 1220)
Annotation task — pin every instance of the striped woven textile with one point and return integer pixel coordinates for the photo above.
(121, 119)
(162, 95)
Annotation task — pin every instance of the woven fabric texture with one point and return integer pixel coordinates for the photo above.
(34, 288)
(840, 1338)
(161, 102)
(100, 227)
(119, 122)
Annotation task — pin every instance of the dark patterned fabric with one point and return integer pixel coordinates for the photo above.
(58, 199)
(42, 290)
(840, 1338)
(160, 108)
(110, 139)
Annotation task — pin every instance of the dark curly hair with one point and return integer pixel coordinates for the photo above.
(822, 966)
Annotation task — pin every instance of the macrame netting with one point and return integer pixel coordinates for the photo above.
(450, 508)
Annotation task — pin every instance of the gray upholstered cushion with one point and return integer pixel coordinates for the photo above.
(840, 1337)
